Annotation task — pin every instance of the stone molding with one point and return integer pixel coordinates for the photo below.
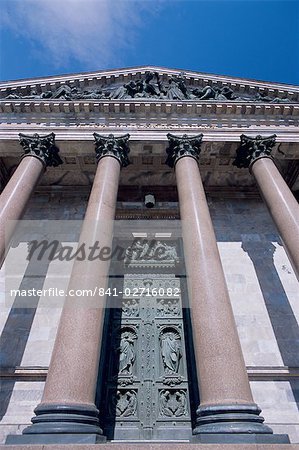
(230, 418)
(41, 147)
(270, 373)
(140, 134)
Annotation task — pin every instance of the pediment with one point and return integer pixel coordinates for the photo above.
(147, 83)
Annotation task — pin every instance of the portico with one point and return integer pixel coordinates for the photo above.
(157, 116)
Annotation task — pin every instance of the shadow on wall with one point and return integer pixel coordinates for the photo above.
(280, 312)
(237, 220)
(17, 328)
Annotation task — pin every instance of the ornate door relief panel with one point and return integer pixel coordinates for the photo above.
(145, 393)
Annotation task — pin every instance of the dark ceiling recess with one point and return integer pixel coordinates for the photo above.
(137, 193)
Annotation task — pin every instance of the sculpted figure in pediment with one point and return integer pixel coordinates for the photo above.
(214, 93)
(265, 98)
(127, 90)
(176, 89)
(149, 85)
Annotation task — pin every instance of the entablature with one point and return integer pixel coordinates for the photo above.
(148, 156)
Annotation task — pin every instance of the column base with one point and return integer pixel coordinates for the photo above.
(28, 439)
(230, 419)
(56, 423)
(242, 438)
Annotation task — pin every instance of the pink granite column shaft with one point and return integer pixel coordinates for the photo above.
(15, 196)
(74, 364)
(282, 205)
(68, 402)
(255, 153)
(221, 370)
(226, 403)
(39, 152)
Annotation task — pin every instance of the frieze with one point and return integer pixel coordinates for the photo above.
(148, 86)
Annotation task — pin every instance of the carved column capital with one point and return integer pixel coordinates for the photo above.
(41, 147)
(251, 149)
(180, 146)
(117, 147)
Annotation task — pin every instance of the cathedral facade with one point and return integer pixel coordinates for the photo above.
(149, 244)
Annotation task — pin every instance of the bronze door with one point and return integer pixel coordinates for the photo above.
(145, 394)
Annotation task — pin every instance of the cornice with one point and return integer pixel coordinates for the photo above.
(149, 106)
(125, 74)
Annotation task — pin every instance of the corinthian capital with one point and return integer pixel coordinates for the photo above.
(41, 147)
(253, 148)
(180, 146)
(117, 147)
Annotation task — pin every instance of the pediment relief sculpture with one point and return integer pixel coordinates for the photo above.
(148, 86)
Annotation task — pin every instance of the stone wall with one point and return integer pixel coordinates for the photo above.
(263, 291)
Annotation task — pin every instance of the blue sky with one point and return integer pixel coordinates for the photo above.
(257, 39)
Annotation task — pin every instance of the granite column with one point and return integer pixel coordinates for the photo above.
(39, 152)
(255, 153)
(67, 412)
(226, 403)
